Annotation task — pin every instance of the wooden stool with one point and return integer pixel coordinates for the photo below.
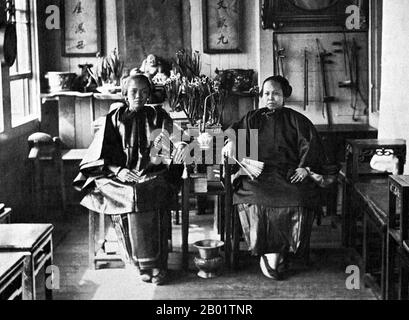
(35, 240)
(398, 232)
(12, 275)
(358, 156)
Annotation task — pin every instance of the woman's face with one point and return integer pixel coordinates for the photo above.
(273, 97)
(138, 93)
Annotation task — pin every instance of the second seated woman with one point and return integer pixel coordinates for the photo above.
(277, 209)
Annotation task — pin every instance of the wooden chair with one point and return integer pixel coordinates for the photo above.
(96, 241)
(358, 155)
(35, 241)
(234, 228)
(398, 235)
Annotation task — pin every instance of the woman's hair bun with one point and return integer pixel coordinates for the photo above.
(285, 85)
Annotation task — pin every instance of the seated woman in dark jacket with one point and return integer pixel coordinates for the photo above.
(277, 209)
(123, 178)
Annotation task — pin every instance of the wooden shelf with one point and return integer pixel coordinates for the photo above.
(96, 95)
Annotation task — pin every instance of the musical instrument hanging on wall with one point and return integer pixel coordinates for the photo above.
(327, 99)
(8, 36)
(278, 59)
(306, 80)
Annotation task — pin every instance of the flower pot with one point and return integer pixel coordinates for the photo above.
(60, 81)
(209, 261)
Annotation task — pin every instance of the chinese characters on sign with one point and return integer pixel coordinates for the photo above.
(222, 22)
(81, 30)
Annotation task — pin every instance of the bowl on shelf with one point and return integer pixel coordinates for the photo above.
(108, 89)
(60, 81)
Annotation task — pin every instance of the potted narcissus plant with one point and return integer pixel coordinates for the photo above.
(109, 70)
(199, 97)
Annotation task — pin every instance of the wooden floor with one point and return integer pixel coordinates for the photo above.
(324, 279)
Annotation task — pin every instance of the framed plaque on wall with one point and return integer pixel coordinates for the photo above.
(81, 27)
(221, 26)
(281, 14)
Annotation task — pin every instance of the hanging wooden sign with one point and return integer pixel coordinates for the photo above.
(81, 28)
(221, 26)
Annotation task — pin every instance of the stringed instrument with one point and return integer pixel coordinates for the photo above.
(8, 36)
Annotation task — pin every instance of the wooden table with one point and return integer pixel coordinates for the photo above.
(34, 240)
(213, 189)
(359, 153)
(12, 275)
(334, 140)
(70, 115)
(335, 137)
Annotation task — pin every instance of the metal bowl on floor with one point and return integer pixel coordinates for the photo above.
(209, 261)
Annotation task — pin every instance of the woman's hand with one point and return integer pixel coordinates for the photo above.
(127, 176)
(299, 176)
(229, 150)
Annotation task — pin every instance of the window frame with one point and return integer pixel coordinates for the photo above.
(31, 122)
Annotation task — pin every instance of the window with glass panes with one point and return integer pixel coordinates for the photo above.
(21, 73)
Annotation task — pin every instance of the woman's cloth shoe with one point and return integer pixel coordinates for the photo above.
(268, 271)
(283, 266)
(160, 278)
(146, 276)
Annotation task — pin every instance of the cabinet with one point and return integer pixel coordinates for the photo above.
(70, 115)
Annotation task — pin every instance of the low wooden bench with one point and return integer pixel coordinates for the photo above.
(403, 280)
(371, 200)
(398, 235)
(12, 275)
(34, 240)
